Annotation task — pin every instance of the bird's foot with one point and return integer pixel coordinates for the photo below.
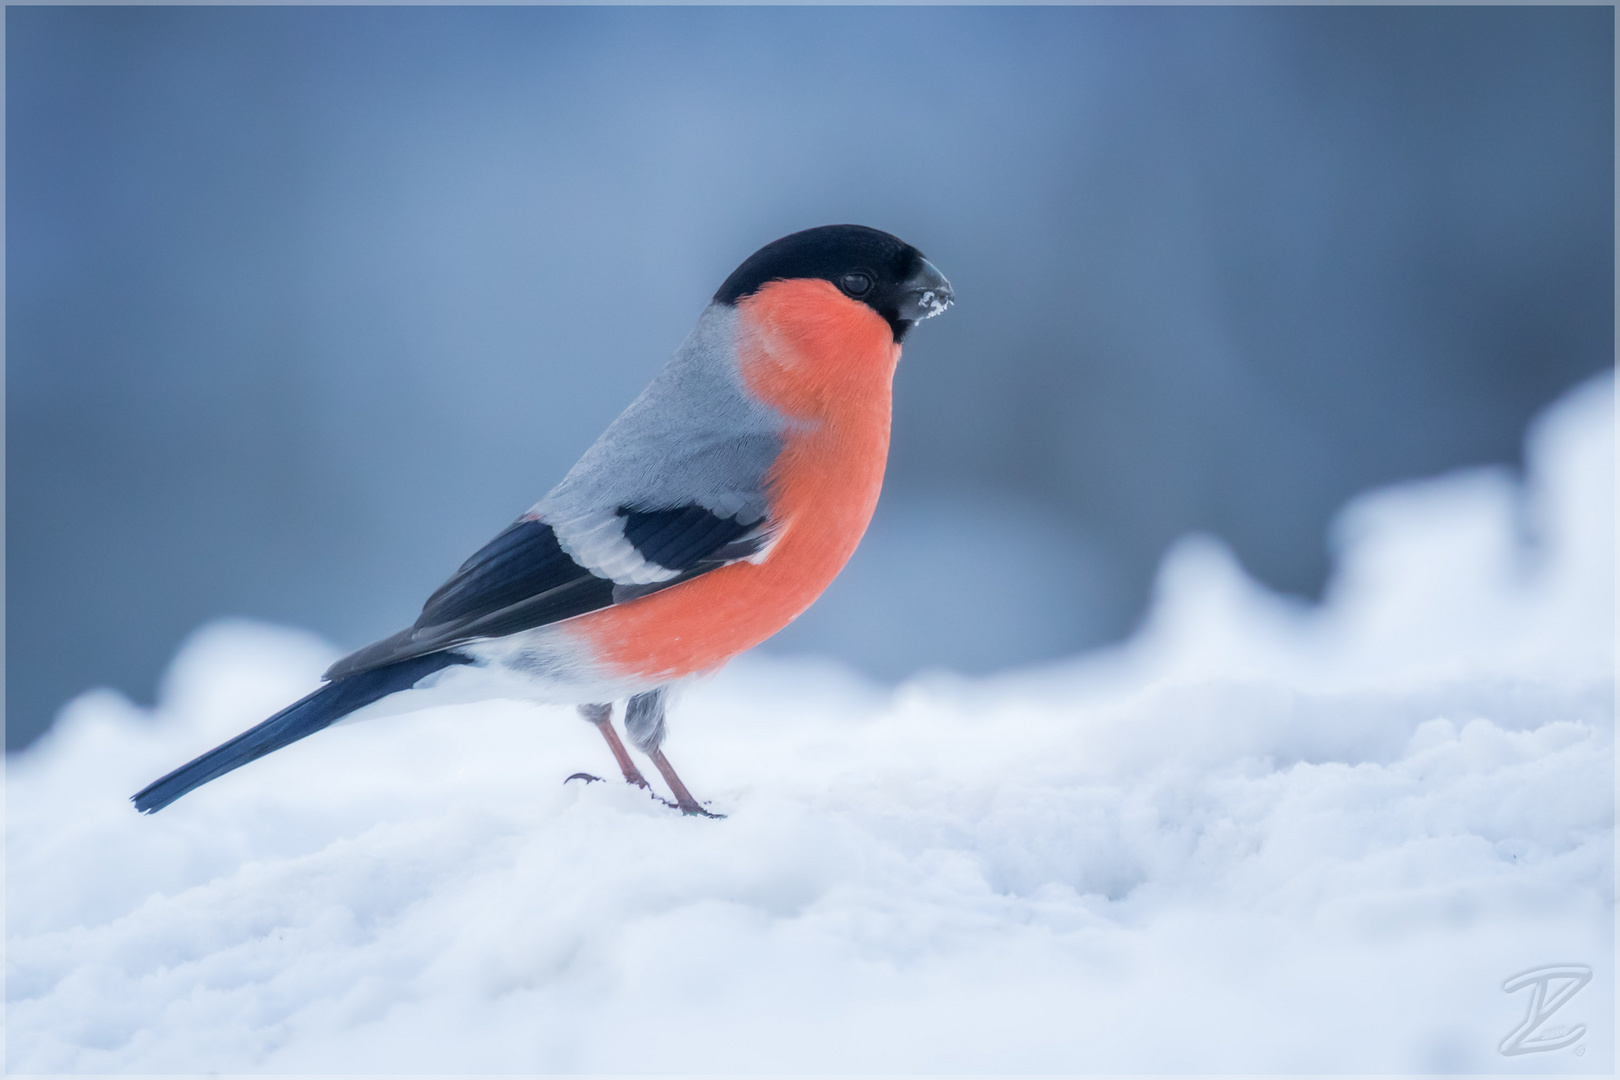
(694, 810)
(687, 806)
(683, 798)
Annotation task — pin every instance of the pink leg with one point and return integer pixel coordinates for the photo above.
(683, 798)
(602, 717)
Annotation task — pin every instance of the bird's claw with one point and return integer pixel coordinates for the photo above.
(690, 811)
(693, 810)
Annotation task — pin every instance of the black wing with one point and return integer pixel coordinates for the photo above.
(523, 579)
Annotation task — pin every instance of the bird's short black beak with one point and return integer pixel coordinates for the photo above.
(925, 293)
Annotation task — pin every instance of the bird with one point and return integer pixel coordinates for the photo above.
(711, 513)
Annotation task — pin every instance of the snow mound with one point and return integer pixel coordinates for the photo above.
(1258, 836)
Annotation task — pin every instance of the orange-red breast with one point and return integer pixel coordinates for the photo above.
(712, 512)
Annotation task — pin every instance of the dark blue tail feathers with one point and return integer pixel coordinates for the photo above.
(306, 716)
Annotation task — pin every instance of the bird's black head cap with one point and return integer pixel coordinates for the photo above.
(881, 271)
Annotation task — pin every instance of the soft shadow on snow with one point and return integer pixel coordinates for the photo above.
(1257, 836)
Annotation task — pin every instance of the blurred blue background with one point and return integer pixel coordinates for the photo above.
(304, 304)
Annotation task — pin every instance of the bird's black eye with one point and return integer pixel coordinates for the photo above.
(856, 284)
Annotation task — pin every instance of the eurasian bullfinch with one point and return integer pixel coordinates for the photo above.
(708, 516)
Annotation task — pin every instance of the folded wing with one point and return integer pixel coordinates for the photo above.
(524, 578)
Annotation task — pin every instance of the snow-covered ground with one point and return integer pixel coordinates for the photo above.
(1258, 836)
